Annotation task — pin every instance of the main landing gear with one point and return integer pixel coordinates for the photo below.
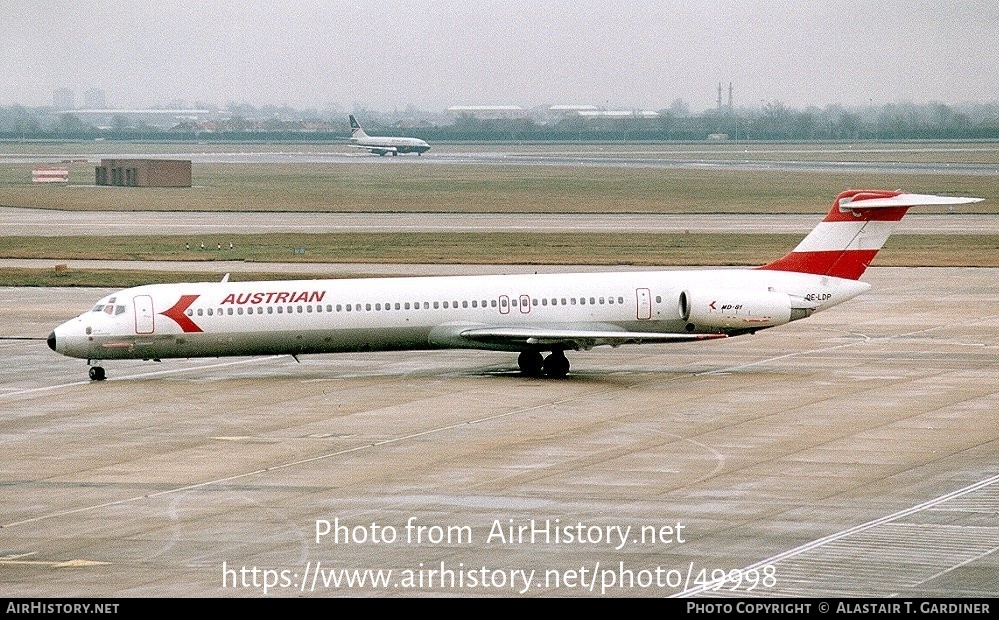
(532, 365)
(97, 373)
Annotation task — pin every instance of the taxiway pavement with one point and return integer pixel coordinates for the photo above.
(854, 453)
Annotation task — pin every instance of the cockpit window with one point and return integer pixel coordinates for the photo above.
(110, 308)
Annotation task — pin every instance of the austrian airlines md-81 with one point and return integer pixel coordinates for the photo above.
(539, 316)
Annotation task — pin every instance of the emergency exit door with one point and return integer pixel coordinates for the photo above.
(644, 299)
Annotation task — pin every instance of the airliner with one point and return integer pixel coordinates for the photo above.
(384, 145)
(539, 316)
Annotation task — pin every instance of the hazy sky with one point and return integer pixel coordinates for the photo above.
(391, 54)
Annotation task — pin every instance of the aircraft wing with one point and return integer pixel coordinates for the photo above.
(572, 338)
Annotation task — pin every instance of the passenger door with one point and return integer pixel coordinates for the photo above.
(144, 321)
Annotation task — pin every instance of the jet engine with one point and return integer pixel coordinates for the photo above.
(735, 309)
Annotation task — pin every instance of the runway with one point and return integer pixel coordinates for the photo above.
(958, 158)
(30, 222)
(854, 453)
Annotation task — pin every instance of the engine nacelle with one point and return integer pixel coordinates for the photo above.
(735, 309)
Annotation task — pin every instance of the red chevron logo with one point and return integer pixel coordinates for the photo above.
(177, 314)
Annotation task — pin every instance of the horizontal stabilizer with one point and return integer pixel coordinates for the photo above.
(903, 200)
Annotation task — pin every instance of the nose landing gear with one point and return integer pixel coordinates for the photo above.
(97, 373)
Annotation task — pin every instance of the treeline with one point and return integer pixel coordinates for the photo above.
(772, 121)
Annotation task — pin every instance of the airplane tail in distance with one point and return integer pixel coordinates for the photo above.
(847, 240)
(355, 129)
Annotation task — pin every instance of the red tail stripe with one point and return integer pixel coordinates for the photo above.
(849, 264)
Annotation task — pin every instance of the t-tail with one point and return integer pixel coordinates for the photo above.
(355, 129)
(847, 240)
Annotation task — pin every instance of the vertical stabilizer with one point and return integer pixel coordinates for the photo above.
(847, 240)
(355, 129)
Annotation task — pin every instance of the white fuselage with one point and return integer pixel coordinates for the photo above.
(390, 144)
(323, 316)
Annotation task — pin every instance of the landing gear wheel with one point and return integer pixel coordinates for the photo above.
(96, 373)
(530, 363)
(556, 365)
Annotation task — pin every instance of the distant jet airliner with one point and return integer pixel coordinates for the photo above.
(532, 315)
(384, 145)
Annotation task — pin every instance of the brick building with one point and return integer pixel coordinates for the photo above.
(144, 172)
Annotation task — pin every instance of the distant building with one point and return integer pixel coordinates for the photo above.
(561, 112)
(618, 114)
(144, 172)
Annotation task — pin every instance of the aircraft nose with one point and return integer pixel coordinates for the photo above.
(51, 340)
